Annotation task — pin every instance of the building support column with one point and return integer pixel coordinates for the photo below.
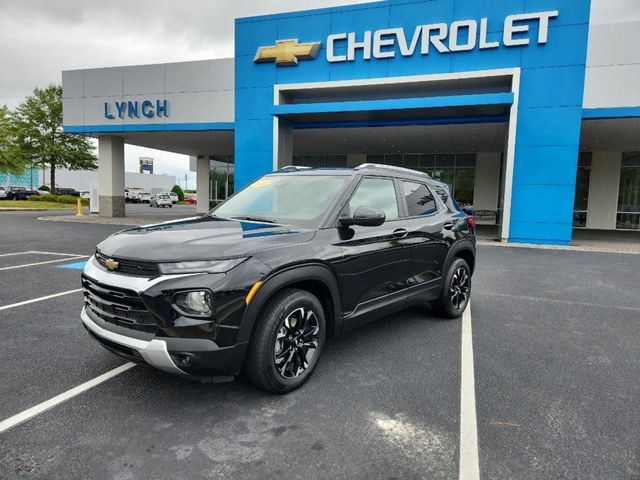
(604, 183)
(111, 176)
(283, 143)
(202, 184)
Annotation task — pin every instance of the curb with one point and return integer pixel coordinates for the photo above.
(570, 248)
(18, 209)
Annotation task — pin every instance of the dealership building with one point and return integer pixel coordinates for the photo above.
(529, 111)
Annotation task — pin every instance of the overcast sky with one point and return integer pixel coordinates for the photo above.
(40, 38)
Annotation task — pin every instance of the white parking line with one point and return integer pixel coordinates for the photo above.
(40, 253)
(63, 397)
(469, 461)
(76, 257)
(56, 253)
(39, 299)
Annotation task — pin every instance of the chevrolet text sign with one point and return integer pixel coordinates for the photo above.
(460, 36)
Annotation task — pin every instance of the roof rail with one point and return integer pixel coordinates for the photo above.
(390, 167)
(292, 168)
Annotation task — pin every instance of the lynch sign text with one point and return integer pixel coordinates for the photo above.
(459, 36)
(136, 109)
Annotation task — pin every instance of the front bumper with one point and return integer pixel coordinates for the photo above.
(174, 348)
(153, 352)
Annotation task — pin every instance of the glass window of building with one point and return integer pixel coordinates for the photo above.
(320, 161)
(628, 217)
(456, 170)
(581, 202)
(221, 169)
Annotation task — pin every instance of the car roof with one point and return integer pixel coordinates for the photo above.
(362, 170)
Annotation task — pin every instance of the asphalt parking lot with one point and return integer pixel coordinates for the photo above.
(556, 352)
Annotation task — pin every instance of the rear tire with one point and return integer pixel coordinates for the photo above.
(456, 290)
(286, 343)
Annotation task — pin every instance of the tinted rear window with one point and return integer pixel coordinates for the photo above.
(419, 199)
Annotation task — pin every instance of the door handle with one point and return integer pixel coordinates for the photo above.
(400, 233)
(448, 226)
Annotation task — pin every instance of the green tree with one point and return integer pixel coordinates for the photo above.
(9, 162)
(38, 136)
(177, 189)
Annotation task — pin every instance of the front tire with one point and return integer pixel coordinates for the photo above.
(286, 342)
(456, 290)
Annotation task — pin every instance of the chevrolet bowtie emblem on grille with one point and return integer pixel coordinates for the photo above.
(111, 264)
(287, 52)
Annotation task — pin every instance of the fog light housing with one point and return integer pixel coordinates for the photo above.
(182, 359)
(197, 303)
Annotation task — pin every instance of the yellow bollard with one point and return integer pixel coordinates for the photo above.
(79, 211)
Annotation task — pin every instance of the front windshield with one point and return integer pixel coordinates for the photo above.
(294, 199)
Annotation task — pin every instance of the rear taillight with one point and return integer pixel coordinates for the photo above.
(471, 221)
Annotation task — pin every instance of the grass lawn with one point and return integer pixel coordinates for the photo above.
(28, 204)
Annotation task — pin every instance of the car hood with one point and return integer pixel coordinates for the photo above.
(201, 238)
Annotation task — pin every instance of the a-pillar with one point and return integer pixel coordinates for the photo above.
(202, 184)
(111, 176)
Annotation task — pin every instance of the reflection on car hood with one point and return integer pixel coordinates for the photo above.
(201, 238)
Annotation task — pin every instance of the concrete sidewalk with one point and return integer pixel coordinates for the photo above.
(612, 241)
(137, 215)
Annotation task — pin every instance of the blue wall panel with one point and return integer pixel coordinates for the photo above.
(551, 89)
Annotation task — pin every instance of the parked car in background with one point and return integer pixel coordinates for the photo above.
(161, 200)
(191, 200)
(85, 193)
(3, 193)
(13, 192)
(144, 197)
(67, 191)
(24, 194)
(174, 197)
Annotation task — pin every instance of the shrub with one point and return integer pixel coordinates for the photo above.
(44, 188)
(65, 199)
(178, 191)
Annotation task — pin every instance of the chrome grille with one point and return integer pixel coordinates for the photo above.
(117, 306)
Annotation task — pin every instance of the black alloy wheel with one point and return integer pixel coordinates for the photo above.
(456, 290)
(286, 342)
(460, 288)
(296, 342)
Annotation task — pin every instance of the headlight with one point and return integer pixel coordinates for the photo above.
(205, 266)
(198, 303)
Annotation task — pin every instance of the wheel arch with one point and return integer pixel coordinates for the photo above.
(317, 279)
(464, 249)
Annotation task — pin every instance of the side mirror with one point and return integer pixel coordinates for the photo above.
(365, 217)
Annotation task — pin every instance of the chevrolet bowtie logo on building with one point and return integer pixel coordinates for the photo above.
(287, 52)
(111, 264)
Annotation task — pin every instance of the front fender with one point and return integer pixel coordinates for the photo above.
(316, 272)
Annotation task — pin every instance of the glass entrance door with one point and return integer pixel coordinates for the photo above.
(221, 170)
(628, 215)
(581, 202)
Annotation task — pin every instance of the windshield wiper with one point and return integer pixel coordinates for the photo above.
(255, 218)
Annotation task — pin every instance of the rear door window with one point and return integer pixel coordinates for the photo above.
(420, 200)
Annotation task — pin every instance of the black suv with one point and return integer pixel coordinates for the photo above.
(258, 283)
